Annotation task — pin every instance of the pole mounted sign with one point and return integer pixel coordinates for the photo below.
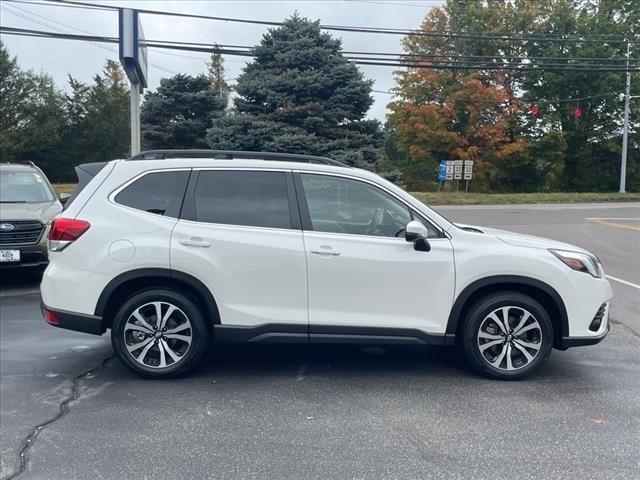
(133, 52)
(456, 170)
(133, 56)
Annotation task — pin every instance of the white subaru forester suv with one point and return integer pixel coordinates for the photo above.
(172, 249)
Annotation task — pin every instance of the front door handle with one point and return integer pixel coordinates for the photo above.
(194, 242)
(325, 250)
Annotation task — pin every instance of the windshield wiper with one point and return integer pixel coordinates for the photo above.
(13, 201)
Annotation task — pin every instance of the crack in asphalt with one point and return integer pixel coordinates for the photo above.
(63, 410)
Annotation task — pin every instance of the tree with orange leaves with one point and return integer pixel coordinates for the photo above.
(450, 114)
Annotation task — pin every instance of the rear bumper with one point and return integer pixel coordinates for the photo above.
(73, 321)
(568, 342)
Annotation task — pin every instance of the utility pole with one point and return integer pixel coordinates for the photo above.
(625, 130)
(133, 56)
(135, 118)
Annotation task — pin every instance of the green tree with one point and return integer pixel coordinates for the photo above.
(179, 112)
(31, 116)
(593, 142)
(300, 95)
(97, 127)
(431, 119)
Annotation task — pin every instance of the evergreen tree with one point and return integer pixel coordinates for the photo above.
(300, 95)
(31, 116)
(97, 127)
(179, 112)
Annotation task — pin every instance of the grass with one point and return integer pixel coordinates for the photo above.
(461, 198)
(64, 187)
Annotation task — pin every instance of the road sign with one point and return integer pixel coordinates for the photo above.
(449, 172)
(457, 169)
(442, 171)
(468, 169)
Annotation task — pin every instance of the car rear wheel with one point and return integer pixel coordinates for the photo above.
(159, 333)
(507, 336)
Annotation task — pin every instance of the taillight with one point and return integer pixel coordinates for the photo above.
(65, 231)
(50, 317)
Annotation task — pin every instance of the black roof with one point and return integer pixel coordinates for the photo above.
(231, 154)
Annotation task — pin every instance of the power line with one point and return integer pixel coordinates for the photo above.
(510, 100)
(433, 64)
(28, 14)
(375, 30)
(395, 3)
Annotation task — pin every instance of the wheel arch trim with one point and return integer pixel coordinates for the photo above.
(503, 282)
(159, 273)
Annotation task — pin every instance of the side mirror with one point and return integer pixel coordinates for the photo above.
(64, 197)
(417, 233)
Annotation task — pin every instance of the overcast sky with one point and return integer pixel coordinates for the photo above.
(83, 60)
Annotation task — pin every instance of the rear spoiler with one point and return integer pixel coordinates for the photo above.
(85, 173)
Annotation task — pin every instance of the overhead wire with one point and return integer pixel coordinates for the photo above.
(26, 15)
(422, 63)
(373, 30)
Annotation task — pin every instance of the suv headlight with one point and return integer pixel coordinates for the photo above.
(582, 262)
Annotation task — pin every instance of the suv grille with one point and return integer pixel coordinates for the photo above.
(597, 320)
(25, 232)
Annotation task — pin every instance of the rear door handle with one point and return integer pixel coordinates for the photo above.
(194, 242)
(325, 250)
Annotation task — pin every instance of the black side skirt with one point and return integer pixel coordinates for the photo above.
(292, 333)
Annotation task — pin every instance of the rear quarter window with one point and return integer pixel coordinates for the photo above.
(156, 192)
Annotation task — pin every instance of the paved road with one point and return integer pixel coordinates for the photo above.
(333, 412)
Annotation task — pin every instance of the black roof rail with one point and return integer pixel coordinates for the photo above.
(231, 154)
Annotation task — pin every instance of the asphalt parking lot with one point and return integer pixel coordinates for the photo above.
(334, 412)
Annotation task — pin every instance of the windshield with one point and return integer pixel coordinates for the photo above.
(24, 187)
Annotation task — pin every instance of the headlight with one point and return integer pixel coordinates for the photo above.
(582, 262)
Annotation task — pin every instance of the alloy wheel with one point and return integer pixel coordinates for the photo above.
(158, 335)
(509, 338)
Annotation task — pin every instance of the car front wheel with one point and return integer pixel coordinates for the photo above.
(159, 333)
(507, 336)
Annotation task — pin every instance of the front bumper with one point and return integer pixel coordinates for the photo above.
(73, 321)
(568, 342)
(31, 255)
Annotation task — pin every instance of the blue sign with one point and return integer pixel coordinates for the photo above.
(133, 52)
(442, 171)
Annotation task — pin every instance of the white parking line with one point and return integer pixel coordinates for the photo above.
(613, 218)
(540, 206)
(624, 282)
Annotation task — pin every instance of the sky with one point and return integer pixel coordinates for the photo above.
(82, 60)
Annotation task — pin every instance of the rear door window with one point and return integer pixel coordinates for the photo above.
(157, 192)
(250, 198)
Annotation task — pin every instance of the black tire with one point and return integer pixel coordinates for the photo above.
(192, 352)
(478, 316)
